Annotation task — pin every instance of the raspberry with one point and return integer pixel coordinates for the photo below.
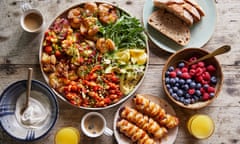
(205, 96)
(199, 79)
(191, 91)
(184, 69)
(201, 64)
(192, 72)
(194, 66)
(204, 82)
(211, 68)
(199, 71)
(173, 74)
(206, 76)
(192, 59)
(202, 90)
(204, 69)
(186, 75)
(211, 89)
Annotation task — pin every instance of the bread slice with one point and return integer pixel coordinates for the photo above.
(171, 26)
(193, 11)
(176, 9)
(167, 2)
(180, 12)
(197, 6)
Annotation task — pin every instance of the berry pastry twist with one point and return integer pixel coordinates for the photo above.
(144, 122)
(135, 133)
(155, 111)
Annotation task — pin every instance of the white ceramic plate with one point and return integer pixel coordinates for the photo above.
(172, 133)
(63, 14)
(201, 32)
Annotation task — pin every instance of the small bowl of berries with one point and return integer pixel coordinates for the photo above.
(192, 86)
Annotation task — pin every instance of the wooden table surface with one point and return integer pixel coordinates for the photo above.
(19, 50)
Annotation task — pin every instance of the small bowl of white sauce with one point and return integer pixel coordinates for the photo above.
(39, 117)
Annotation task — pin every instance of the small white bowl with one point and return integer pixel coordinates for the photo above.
(8, 111)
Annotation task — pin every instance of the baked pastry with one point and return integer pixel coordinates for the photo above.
(135, 133)
(171, 26)
(155, 111)
(144, 122)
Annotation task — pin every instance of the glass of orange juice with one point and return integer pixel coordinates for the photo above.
(67, 135)
(200, 126)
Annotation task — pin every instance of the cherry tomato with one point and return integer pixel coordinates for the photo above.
(57, 53)
(48, 49)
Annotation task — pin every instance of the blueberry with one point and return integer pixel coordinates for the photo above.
(181, 64)
(196, 98)
(213, 80)
(168, 86)
(188, 81)
(176, 79)
(167, 74)
(198, 86)
(171, 68)
(185, 87)
(174, 95)
(175, 89)
(177, 84)
(179, 73)
(182, 99)
(192, 100)
(170, 91)
(205, 86)
(179, 92)
(187, 101)
(187, 95)
(172, 81)
(211, 95)
(192, 85)
(198, 93)
(167, 80)
(181, 81)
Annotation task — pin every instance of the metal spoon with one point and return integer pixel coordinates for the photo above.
(29, 84)
(218, 51)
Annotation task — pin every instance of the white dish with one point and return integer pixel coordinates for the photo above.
(172, 133)
(201, 32)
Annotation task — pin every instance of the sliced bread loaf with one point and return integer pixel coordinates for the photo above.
(177, 9)
(171, 26)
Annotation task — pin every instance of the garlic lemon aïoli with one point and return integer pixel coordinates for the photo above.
(37, 112)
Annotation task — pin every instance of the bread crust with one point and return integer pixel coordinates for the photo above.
(197, 6)
(187, 10)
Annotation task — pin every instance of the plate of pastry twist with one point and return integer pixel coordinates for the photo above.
(145, 119)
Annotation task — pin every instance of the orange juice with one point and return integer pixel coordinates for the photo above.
(67, 135)
(200, 126)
